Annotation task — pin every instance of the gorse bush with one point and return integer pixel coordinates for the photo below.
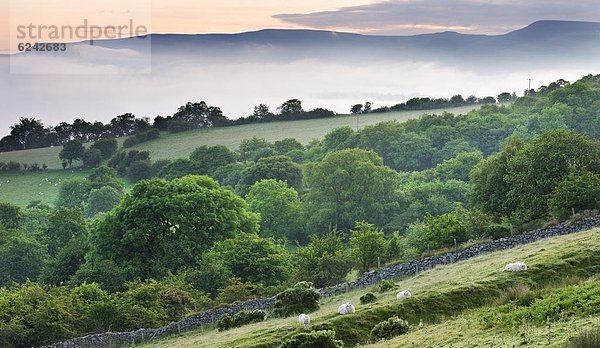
(387, 285)
(368, 298)
(321, 339)
(301, 298)
(392, 327)
(241, 318)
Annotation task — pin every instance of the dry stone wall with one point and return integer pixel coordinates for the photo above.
(209, 317)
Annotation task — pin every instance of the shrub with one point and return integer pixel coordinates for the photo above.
(139, 170)
(589, 338)
(107, 146)
(225, 323)
(386, 285)
(368, 298)
(92, 158)
(321, 339)
(301, 298)
(241, 318)
(148, 135)
(131, 141)
(141, 137)
(236, 291)
(392, 327)
(13, 166)
(520, 293)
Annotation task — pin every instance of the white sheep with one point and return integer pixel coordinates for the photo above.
(515, 267)
(346, 308)
(403, 294)
(304, 319)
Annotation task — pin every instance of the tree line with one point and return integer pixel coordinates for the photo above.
(30, 133)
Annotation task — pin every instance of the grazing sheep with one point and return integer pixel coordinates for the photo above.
(346, 308)
(515, 267)
(304, 319)
(403, 294)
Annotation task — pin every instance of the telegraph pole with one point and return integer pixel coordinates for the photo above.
(529, 88)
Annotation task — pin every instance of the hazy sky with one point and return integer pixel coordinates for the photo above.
(364, 16)
(168, 16)
(55, 98)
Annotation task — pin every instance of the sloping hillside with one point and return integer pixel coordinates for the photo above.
(452, 303)
(179, 145)
(24, 187)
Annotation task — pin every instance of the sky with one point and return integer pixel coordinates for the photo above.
(398, 17)
(55, 98)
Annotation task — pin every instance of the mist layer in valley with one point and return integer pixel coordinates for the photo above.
(323, 69)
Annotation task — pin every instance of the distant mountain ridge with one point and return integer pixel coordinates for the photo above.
(545, 39)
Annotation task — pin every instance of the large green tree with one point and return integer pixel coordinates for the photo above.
(21, 257)
(254, 259)
(348, 186)
(63, 225)
(163, 226)
(213, 157)
(536, 171)
(276, 167)
(73, 193)
(101, 200)
(489, 180)
(324, 261)
(401, 150)
(367, 246)
(578, 191)
(11, 216)
(107, 146)
(72, 150)
(279, 208)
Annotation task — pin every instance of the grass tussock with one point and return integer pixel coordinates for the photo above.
(519, 293)
(587, 338)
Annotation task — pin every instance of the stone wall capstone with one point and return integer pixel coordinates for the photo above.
(211, 316)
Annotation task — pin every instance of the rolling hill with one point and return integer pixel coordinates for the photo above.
(449, 303)
(546, 40)
(21, 188)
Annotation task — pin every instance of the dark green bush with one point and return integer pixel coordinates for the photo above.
(387, 285)
(13, 166)
(225, 323)
(131, 141)
(241, 318)
(368, 298)
(392, 327)
(301, 298)
(321, 339)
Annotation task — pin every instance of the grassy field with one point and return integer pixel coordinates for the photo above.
(170, 146)
(22, 188)
(448, 300)
(26, 187)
